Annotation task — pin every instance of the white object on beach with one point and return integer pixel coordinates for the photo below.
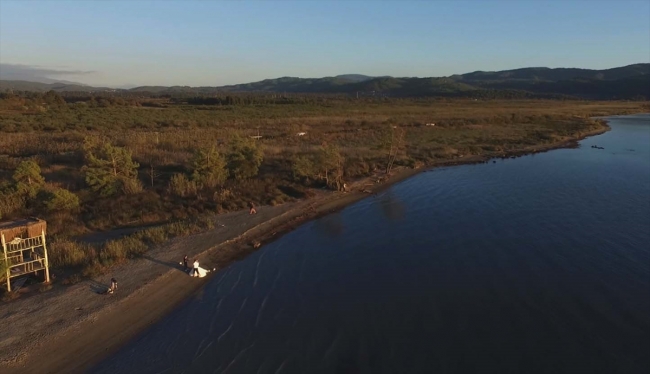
(202, 272)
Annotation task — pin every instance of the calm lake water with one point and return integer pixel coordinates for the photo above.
(539, 264)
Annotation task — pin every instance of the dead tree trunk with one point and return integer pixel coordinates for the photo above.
(397, 138)
(152, 173)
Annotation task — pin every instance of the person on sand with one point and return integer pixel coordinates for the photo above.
(195, 271)
(185, 261)
(252, 207)
(113, 285)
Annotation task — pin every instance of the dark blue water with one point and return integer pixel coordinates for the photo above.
(539, 264)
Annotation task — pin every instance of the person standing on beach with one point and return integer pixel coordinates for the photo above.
(195, 272)
(252, 207)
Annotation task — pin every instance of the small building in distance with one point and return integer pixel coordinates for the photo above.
(23, 249)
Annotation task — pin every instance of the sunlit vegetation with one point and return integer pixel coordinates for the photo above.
(89, 163)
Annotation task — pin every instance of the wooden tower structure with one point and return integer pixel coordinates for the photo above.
(23, 248)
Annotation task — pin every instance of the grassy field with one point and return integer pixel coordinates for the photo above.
(364, 136)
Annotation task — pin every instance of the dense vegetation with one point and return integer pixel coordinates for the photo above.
(98, 162)
(627, 82)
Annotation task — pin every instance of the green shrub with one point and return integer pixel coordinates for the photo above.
(156, 235)
(116, 251)
(178, 229)
(68, 253)
(131, 186)
(179, 185)
(204, 222)
(91, 270)
(302, 167)
(222, 195)
(11, 201)
(113, 252)
(133, 246)
(62, 200)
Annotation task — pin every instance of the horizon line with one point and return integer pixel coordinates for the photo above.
(133, 86)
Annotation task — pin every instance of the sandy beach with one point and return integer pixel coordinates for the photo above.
(70, 328)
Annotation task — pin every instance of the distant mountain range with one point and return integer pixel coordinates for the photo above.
(60, 86)
(632, 81)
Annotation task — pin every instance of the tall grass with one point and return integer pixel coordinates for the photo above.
(92, 260)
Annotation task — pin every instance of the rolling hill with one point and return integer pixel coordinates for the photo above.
(557, 74)
(627, 82)
(45, 87)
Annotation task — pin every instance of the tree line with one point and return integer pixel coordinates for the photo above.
(145, 98)
(109, 171)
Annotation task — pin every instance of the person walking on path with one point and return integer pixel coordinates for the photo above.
(252, 207)
(113, 285)
(185, 261)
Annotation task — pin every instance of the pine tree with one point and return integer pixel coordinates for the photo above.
(28, 178)
(209, 167)
(109, 169)
(245, 158)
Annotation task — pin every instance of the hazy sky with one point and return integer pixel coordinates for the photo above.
(204, 43)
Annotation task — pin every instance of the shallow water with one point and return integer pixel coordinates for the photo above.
(535, 264)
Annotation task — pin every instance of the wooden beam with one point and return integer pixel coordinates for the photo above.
(32, 246)
(40, 261)
(47, 264)
(4, 250)
(27, 269)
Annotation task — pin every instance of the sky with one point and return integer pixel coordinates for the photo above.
(211, 43)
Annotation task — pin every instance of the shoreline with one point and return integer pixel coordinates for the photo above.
(101, 331)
